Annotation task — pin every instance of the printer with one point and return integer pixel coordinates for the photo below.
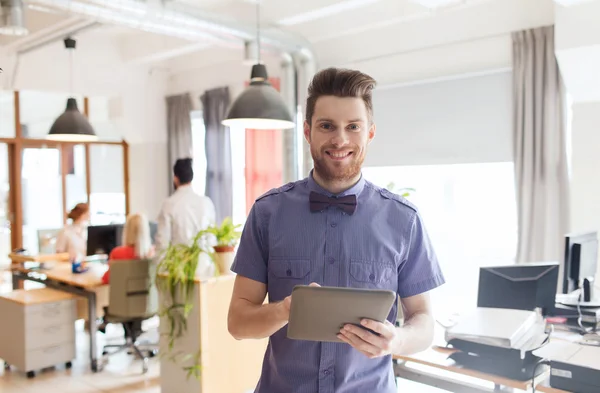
(573, 367)
(498, 341)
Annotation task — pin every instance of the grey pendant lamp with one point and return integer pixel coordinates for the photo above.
(72, 125)
(259, 106)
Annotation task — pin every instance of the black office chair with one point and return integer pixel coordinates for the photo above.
(132, 299)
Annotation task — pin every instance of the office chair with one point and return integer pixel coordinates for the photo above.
(132, 299)
(47, 240)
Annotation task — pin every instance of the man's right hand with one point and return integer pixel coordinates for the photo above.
(287, 303)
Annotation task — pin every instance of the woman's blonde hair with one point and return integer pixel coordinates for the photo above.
(136, 233)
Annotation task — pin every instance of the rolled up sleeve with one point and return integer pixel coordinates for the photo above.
(420, 271)
(252, 254)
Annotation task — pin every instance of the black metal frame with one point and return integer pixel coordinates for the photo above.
(40, 277)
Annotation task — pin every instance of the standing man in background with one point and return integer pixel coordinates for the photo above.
(184, 213)
(334, 228)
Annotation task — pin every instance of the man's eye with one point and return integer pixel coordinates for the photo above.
(326, 126)
(354, 127)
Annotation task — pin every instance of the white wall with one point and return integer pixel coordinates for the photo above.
(585, 161)
(466, 120)
(230, 71)
(578, 49)
(144, 127)
(460, 41)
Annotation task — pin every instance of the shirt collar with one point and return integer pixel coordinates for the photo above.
(354, 190)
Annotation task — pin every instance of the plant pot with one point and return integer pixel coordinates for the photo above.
(224, 258)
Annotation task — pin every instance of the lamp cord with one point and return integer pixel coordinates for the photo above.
(70, 71)
(258, 29)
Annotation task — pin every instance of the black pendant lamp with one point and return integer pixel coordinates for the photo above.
(259, 106)
(72, 125)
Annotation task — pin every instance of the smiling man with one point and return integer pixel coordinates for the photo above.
(335, 229)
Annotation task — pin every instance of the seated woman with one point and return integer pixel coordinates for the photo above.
(136, 242)
(72, 238)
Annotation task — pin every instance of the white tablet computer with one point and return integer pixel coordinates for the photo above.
(318, 313)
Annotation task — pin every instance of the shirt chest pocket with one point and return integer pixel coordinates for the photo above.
(375, 275)
(285, 274)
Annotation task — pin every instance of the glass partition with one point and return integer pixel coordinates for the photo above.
(5, 219)
(107, 196)
(41, 187)
(75, 175)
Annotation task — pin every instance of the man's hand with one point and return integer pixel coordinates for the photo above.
(285, 304)
(387, 339)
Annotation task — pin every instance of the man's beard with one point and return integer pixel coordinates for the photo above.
(338, 172)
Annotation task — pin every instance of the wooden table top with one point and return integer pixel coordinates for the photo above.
(18, 258)
(544, 388)
(62, 272)
(438, 357)
(37, 296)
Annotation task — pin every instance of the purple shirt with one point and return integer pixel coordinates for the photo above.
(382, 245)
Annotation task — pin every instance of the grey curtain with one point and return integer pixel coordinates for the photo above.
(539, 132)
(179, 128)
(219, 181)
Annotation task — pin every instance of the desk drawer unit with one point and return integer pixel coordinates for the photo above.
(37, 329)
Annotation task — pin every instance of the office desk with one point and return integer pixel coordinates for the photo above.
(544, 388)
(437, 357)
(59, 276)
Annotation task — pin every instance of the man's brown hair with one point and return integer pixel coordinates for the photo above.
(340, 82)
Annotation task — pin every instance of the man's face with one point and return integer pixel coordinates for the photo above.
(338, 135)
(176, 182)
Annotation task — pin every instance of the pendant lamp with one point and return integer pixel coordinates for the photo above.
(72, 125)
(259, 106)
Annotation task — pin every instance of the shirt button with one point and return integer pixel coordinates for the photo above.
(289, 272)
(331, 259)
(372, 277)
(333, 225)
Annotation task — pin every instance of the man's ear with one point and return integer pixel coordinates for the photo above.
(371, 134)
(306, 131)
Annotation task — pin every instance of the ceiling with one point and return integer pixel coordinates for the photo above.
(313, 20)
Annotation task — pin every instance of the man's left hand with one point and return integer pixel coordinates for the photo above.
(371, 345)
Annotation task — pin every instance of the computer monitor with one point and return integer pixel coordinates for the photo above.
(101, 239)
(519, 287)
(581, 260)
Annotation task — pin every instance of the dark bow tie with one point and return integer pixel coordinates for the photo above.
(319, 202)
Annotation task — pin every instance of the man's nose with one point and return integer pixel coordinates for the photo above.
(339, 139)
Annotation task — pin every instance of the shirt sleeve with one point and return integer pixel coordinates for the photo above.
(420, 271)
(253, 252)
(163, 229)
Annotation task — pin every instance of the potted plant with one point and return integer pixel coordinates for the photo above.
(403, 192)
(227, 236)
(175, 274)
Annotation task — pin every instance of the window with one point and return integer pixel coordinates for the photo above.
(469, 211)
(238, 165)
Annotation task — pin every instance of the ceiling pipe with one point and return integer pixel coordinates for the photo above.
(179, 20)
(291, 147)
